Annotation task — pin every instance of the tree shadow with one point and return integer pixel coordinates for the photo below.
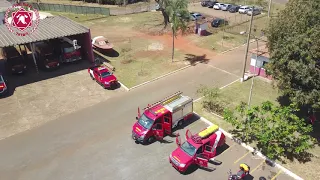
(222, 148)
(194, 59)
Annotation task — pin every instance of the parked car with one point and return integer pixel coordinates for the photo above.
(195, 16)
(225, 7)
(103, 76)
(46, 56)
(205, 3)
(15, 60)
(254, 12)
(234, 8)
(218, 22)
(211, 4)
(243, 9)
(217, 6)
(3, 85)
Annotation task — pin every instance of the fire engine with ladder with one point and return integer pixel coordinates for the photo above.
(160, 118)
(198, 149)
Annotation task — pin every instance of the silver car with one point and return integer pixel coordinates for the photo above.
(254, 12)
(225, 7)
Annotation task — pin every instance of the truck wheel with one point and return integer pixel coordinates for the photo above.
(150, 139)
(180, 123)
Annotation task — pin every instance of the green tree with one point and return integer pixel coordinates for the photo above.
(276, 129)
(294, 43)
(210, 102)
(178, 13)
(162, 7)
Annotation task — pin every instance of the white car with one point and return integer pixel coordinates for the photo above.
(218, 6)
(244, 9)
(195, 16)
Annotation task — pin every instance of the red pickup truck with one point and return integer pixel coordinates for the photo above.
(103, 76)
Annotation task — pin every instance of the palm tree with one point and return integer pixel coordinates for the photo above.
(179, 16)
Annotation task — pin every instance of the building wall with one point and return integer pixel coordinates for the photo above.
(259, 64)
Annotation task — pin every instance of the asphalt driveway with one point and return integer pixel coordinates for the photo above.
(95, 142)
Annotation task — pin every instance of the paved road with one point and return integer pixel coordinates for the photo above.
(95, 143)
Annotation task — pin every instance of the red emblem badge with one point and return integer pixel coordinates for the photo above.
(21, 19)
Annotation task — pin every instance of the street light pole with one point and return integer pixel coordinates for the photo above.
(247, 49)
(269, 8)
(254, 74)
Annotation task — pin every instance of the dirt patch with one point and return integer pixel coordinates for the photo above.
(125, 19)
(155, 47)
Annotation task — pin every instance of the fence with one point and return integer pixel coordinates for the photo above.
(241, 24)
(71, 8)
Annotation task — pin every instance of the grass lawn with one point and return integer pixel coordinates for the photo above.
(145, 58)
(216, 42)
(262, 91)
(237, 92)
(259, 24)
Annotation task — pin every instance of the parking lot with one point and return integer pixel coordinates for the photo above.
(35, 99)
(232, 18)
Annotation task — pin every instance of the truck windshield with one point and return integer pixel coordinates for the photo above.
(105, 74)
(68, 50)
(188, 148)
(145, 121)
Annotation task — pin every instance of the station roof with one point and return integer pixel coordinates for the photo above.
(51, 27)
(4, 5)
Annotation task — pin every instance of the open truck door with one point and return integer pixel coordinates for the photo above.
(167, 123)
(178, 139)
(158, 131)
(188, 134)
(209, 151)
(202, 162)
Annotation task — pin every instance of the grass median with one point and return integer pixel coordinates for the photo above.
(262, 91)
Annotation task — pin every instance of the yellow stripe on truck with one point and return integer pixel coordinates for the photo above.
(176, 158)
(138, 129)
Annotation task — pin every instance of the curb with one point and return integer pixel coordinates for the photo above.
(283, 169)
(223, 52)
(125, 87)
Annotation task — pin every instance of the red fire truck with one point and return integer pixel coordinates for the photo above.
(160, 118)
(198, 149)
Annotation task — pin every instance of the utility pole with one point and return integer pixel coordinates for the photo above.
(269, 9)
(254, 73)
(247, 49)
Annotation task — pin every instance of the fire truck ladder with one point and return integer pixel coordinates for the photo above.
(166, 100)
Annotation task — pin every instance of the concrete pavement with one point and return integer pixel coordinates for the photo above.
(95, 143)
(73, 144)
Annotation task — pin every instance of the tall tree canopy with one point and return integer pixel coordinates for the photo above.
(294, 44)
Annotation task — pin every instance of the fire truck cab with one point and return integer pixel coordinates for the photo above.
(198, 149)
(160, 118)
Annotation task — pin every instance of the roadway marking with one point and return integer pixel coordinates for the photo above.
(262, 162)
(242, 157)
(198, 99)
(222, 70)
(274, 177)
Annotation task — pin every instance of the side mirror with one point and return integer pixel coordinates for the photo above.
(137, 118)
